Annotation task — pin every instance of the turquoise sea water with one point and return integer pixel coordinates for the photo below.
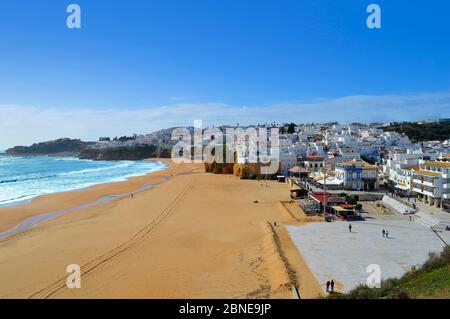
(23, 178)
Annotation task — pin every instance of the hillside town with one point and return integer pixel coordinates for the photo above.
(363, 158)
(382, 170)
(381, 194)
(353, 157)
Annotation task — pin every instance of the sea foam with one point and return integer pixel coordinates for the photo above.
(23, 178)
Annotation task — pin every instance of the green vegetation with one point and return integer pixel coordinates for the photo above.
(351, 200)
(438, 131)
(432, 280)
(126, 153)
(60, 146)
(288, 128)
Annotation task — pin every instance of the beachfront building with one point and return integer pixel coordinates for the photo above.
(402, 181)
(357, 175)
(431, 182)
(313, 163)
(398, 167)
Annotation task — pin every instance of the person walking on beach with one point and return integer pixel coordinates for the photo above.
(384, 233)
(387, 234)
(332, 285)
(328, 286)
(132, 195)
(350, 228)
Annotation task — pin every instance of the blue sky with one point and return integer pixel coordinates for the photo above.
(224, 61)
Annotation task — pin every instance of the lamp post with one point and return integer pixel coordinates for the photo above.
(325, 198)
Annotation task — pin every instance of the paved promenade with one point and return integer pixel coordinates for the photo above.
(332, 252)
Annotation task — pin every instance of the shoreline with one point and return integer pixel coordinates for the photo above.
(41, 218)
(12, 216)
(29, 198)
(193, 235)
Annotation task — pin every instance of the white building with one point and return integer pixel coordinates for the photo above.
(357, 175)
(399, 167)
(431, 181)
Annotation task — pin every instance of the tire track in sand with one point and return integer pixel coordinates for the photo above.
(140, 236)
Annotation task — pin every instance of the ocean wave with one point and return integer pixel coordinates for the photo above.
(26, 179)
(97, 169)
(40, 176)
(8, 181)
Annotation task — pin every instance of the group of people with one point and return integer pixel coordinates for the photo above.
(385, 232)
(330, 286)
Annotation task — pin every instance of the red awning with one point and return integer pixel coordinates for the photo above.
(322, 196)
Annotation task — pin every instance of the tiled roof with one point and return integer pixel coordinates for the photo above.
(313, 158)
(426, 173)
(297, 169)
(438, 164)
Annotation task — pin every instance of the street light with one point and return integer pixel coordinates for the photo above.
(324, 187)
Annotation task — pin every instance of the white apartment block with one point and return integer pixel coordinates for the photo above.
(431, 181)
(399, 167)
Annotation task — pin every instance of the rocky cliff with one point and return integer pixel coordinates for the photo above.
(244, 171)
(63, 146)
(125, 153)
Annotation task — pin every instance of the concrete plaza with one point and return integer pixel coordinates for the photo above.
(332, 252)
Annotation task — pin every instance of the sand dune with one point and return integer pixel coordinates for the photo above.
(193, 235)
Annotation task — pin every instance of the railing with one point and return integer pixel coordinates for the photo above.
(398, 205)
(401, 200)
(423, 182)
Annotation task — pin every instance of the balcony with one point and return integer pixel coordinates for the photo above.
(424, 182)
(423, 192)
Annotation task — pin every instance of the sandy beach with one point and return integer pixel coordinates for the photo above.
(191, 235)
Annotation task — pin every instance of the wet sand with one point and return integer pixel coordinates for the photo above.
(191, 235)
